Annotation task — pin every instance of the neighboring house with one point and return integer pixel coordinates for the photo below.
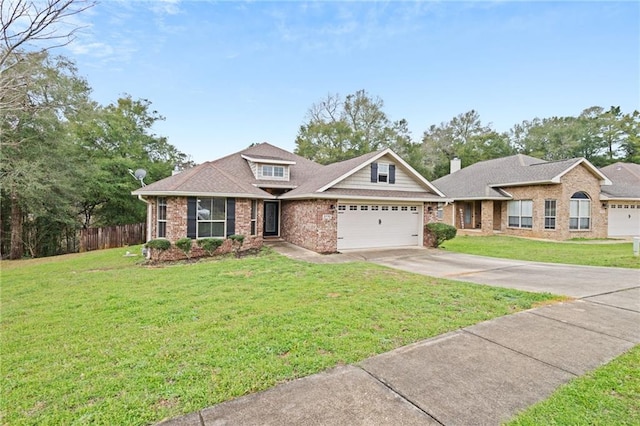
(375, 200)
(623, 199)
(525, 196)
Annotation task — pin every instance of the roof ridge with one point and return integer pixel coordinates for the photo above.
(627, 167)
(279, 150)
(575, 159)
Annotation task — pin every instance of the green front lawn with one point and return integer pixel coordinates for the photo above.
(98, 338)
(584, 252)
(609, 395)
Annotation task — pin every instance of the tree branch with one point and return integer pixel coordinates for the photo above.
(25, 21)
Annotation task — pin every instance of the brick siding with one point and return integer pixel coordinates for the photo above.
(311, 224)
(177, 228)
(579, 179)
(430, 215)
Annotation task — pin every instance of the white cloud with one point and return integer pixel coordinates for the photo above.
(166, 7)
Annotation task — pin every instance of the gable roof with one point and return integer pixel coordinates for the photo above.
(625, 178)
(321, 186)
(490, 179)
(232, 176)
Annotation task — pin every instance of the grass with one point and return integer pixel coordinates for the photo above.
(98, 338)
(609, 395)
(584, 252)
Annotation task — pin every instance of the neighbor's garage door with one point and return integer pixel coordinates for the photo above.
(624, 220)
(374, 225)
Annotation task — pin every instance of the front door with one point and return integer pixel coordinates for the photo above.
(497, 215)
(271, 218)
(467, 215)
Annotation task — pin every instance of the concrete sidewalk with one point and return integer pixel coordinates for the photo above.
(479, 375)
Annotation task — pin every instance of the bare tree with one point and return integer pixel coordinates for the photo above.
(23, 23)
(26, 21)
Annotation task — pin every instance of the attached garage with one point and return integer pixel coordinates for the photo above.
(624, 219)
(373, 225)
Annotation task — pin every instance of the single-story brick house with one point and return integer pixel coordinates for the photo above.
(525, 196)
(375, 200)
(623, 199)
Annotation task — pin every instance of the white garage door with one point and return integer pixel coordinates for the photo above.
(624, 219)
(376, 225)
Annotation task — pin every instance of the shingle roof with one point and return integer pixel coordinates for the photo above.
(625, 179)
(232, 176)
(484, 180)
(328, 174)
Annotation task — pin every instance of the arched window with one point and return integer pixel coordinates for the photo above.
(579, 211)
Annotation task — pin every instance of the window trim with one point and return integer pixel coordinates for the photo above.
(550, 218)
(519, 216)
(161, 206)
(579, 199)
(272, 171)
(212, 221)
(254, 218)
(383, 176)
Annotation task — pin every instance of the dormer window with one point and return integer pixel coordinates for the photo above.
(269, 168)
(272, 171)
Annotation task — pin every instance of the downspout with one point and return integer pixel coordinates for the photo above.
(149, 212)
(145, 252)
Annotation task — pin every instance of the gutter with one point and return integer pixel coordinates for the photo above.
(267, 196)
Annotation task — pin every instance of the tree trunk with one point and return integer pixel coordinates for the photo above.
(17, 248)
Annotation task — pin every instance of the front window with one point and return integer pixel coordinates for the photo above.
(579, 211)
(162, 217)
(549, 214)
(440, 211)
(520, 213)
(254, 216)
(211, 218)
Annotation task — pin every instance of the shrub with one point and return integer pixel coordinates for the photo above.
(237, 243)
(159, 244)
(184, 244)
(210, 244)
(441, 232)
(237, 238)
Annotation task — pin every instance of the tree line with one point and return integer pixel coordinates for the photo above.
(65, 160)
(337, 129)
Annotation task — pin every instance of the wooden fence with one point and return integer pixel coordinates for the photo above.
(112, 236)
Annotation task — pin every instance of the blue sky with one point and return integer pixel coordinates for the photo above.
(228, 74)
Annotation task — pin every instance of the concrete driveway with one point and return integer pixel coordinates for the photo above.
(568, 280)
